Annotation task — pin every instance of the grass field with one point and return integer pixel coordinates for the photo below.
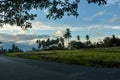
(101, 57)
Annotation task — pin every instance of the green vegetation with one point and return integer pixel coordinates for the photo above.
(98, 57)
(17, 12)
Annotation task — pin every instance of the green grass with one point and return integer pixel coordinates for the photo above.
(104, 57)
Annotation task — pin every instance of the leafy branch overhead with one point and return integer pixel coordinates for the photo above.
(18, 11)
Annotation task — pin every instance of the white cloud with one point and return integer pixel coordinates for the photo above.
(20, 37)
(95, 27)
(93, 16)
(59, 33)
(29, 42)
(98, 33)
(57, 30)
(11, 29)
(40, 26)
(115, 15)
(37, 27)
(114, 19)
(102, 27)
(113, 1)
(22, 40)
(88, 18)
(43, 27)
(119, 4)
(100, 13)
(116, 27)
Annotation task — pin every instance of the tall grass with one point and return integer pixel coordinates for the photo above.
(105, 57)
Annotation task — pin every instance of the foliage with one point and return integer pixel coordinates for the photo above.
(51, 44)
(78, 38)
(39, 44)
(18, 11)
(97, 1)
(14, 48)
(111, 41)
(61, 42)
(2, 50)
(58, 43)
(1, 42)
(88, 42)
(87, 37)
(76, 45)
(33, 49)
(67, 35)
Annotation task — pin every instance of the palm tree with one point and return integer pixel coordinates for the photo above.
(67, 35)
(88, 41)
(87, 37)
(39, 44)
(78, 38)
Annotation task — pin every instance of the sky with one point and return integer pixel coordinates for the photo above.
(94, 20)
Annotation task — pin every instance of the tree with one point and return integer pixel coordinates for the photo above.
(78, 38)
(88, 41)
(48, 42)
(76, 45)
(67, 35)
(1, 50)
(1, 42)
(107, 42)
(87, 37)
(39, 44)
(111, 41)
(57, 43)
(18, 11)
(14, 48)
(61, 41)
(33, 49)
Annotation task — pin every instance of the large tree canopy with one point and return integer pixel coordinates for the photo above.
(18, 11)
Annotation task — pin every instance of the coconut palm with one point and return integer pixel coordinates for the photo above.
(67, 35)
(78, 38)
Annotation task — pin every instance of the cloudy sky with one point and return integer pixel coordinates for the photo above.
(96, 21)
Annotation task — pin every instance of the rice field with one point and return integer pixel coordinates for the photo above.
(97, 57)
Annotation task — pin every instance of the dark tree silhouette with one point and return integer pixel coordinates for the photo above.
(48, 42)
(67, 35)
(1, 42)
(33, 49)
(57, 43)
(111, 41)
(39, 44)
(87, 37)
(14, 48)
(76, 45)
(18, 11)
(88, 41)
(61, 41)
(78, 38)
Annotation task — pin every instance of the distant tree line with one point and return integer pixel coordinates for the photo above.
(109, 42)
(13, 48)
(51, 44)
(59, 43)
(106, 42)
(64, 42)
